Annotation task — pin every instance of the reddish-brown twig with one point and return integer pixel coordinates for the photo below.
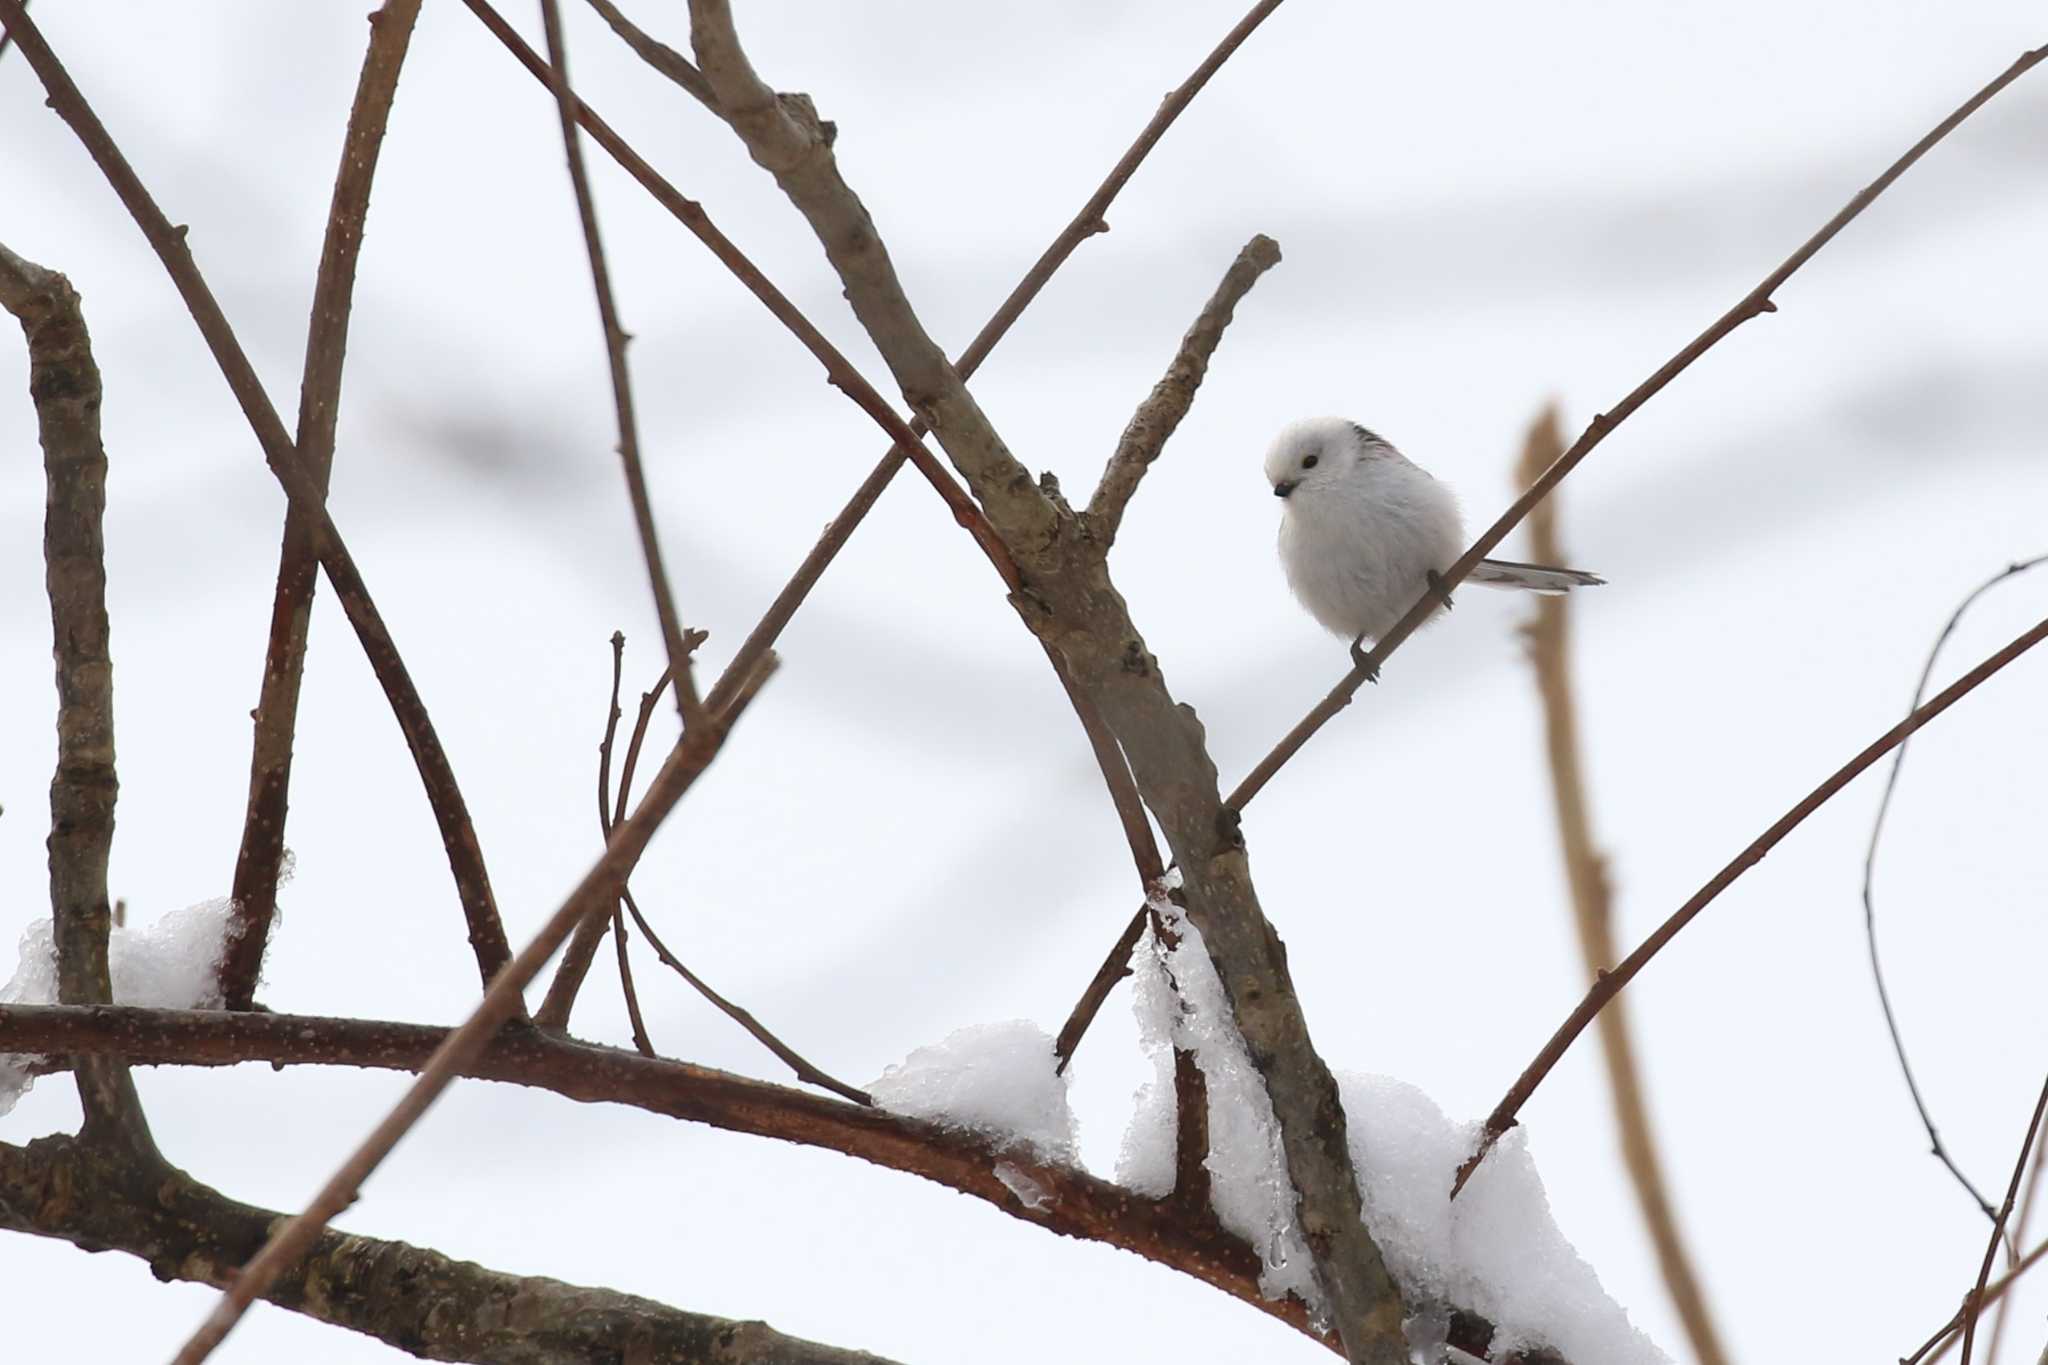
(451, 813)
(1610, 983)
(460, 1049)
(1950, 1332)
(643, 1043)
(1973, 1303)
(2015, 1234)
(567, 105)
(1755, 302)
(261, 856)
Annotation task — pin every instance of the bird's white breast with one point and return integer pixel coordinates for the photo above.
(1358, 551)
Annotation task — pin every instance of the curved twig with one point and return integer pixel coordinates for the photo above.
(1973, 1304)
(1884, 805)
(1610, 983)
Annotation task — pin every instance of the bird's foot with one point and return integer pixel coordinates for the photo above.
(1362, 660)
(1436, 585)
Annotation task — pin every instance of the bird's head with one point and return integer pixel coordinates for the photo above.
(1319, 453)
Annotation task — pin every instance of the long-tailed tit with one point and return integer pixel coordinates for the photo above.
(1365, 532)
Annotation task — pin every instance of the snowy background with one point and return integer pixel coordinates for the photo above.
(1480, 207)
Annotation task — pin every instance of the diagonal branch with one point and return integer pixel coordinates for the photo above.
(1610, 983)
(451, 813)
(446, 1309)
(261, 857)
(1153, 424)
(598, 890)
(654, 52)
(1755, 302)
(64, 383)
(1548, 633)
(672, 633)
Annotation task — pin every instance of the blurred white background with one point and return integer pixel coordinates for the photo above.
(1480, 207)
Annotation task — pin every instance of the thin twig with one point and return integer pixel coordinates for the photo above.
(805, 1072)
(64, 384)
(1973, 1305)
(261, 856)
(1884, 805)
(461, 1048)
(641, 1041)
(1503, 1116)
(1757, 301)
(2016, 1234)
(615, 356)
(1548, 634)
(451, 813)
(1950, 1332)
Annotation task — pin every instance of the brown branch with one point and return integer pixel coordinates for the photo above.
(599, 887)
(1610, 983)
(64, 385)
(1081, 1205)
(1159, 415)
(1950, 1332)
(1114, 968)
(1548, 634)
(261, 857)
(672, 633)
(458, 835)
(417, 1300)
(1072, 606)
(2016, 1234)
(1973, 1303)
(1757, 301)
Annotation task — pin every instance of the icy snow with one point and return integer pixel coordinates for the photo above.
(173, 964)
(994, 1080)
(1495, 1251)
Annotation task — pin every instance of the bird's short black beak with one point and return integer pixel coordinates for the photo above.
(1283, 488)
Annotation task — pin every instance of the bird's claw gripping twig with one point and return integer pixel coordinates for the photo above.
(1436, 585)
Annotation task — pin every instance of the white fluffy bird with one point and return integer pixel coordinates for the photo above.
(1365, 532)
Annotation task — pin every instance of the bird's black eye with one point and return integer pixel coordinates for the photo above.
(1310, 462)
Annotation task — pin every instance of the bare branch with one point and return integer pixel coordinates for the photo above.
(1884, 805)
(1503, 1116)
(450, 1309)
(598, 889)
(261, 858)
(1756, 301)
(2015, 1234)
(458, 835)
(672, 633)
(1549, 639)
(1156, 418)
(1973, 1304)
(64, 384)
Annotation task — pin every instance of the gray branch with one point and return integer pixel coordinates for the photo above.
(1069, 602)
(64, 384)
(418, 1300)
(1159, 415)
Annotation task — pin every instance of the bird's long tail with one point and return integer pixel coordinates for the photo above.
(1505, 573)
